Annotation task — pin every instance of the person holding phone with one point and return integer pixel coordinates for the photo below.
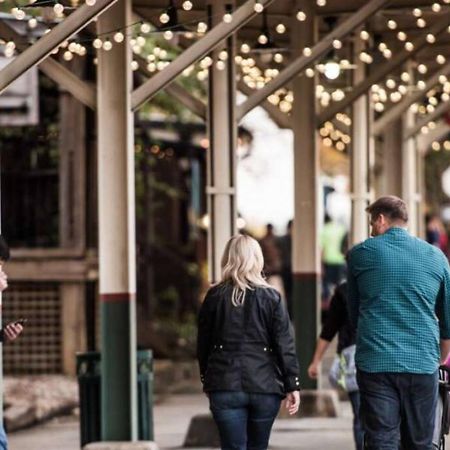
(13, 329)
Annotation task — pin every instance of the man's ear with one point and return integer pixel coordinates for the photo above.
(383, 219)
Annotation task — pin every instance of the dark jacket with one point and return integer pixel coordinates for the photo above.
(337, 321)
(246, 348)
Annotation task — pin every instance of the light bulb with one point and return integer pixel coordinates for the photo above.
(227, 18)
(187, 5)
(309, 72)
(68, 56)
(146, 28)
(436, 7)
(119, 37)
(387, 53)
(280, 28)
(364, 35)
(321, 3)
(401, 36)
(202, 27)
(164, 18)
(97, 43)
(278, 58)
(18, 13)
(421, 23)
(431, 38)
(134, 65)
(392, 24)
(107, 45)
(307, 51)
(301, 16)
(337, 44)
(422, 68)
(409, 46)
(259, 8)
(440, 59)
(32, 23)
(332, 70)
(220, 65)
(58, 8)
(417, 12)
(73, 47)
(245, 48)
(168, 35)
(405, 77)
(223, 55)
(262, 39)
(90, 2)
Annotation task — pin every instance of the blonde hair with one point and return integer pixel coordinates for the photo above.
(242, 266)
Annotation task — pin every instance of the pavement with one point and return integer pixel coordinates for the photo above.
(172, 419)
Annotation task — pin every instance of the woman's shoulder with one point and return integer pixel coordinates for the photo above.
(268, 293)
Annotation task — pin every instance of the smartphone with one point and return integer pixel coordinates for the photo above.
(21, 321)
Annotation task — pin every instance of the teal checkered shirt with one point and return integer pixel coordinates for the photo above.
(399, 299)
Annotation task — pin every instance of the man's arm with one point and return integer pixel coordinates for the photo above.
(443, 311)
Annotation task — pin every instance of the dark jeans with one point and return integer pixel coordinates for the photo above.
(358, 433)
(398, 408)
(244, 420)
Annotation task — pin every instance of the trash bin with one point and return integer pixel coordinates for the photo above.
(89, 386)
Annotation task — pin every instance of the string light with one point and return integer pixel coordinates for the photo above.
(337, 44)
(107, 45)
(409, 46)
(309, 72)
(32, 23)
(422, 68)
(321, 3)
(401, 36)
(68, 56)
(392, 24)
(228, 18)
(436, 7)
(187, 5)
(431, 38)
(119, 37)
(90, 2)
(146, 28)
(202, 28)
(280, 28)
(440, 59)
(259, 8)
(417, 12)
(307, 51)
(364, 35)
(97, 43)
(301, 16)
(421, 23)
(164, 18)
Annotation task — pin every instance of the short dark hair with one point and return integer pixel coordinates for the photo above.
(394, 208)
(4, 249)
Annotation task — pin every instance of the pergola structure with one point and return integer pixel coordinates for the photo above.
(391, 63)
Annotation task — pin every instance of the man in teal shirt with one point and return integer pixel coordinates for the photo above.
(399, 299)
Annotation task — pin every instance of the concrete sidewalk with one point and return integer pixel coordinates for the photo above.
(171, 422)
(172, 419)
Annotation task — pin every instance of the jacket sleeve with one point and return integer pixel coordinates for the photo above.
(443, 303)
(204, 336)
(283, 342)
(336, 317)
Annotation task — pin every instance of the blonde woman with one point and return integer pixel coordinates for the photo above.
(246, 350)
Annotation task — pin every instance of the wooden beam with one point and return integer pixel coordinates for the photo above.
(46, 44)
(317, 51)
(196, 51)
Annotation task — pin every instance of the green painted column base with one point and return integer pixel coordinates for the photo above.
(118, 368)
(306, 307)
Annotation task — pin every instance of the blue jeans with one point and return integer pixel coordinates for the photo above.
(244, 419)
(398, 408)
(3, 440)
(358, 433)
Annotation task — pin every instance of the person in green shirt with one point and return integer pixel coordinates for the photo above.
(331, 239)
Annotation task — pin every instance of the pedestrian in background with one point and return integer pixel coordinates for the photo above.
(12, 330)
(272, 259)
(337, 323)
(285, 246)
(399, 299)
(333, 259)
(246, 350)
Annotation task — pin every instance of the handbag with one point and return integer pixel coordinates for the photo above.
(342, 374)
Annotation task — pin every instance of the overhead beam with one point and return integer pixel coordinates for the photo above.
(381, 71)
(46, 44)
(66, 79)
(396, 111)
(192, 103)
(436, 114)
(319, 50)
(196, 51)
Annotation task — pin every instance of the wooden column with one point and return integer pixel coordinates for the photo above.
(221, 162)
(305, 248)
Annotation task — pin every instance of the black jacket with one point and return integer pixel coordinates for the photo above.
(246, 348)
